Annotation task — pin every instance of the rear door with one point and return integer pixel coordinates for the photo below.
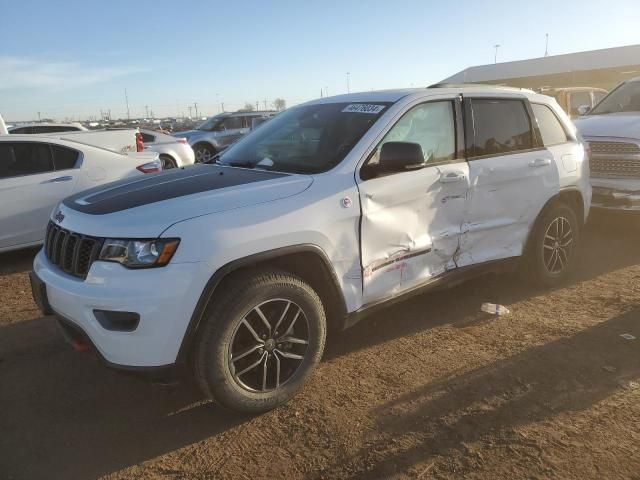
(511, 178)
(233, 128)
(411, 220)
(30, 187)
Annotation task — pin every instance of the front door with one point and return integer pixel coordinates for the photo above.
(511, 178)
(411, 220)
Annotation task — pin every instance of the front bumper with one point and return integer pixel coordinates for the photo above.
(606, 198)
(164, 298)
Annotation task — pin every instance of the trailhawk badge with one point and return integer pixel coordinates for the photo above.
(59, 217)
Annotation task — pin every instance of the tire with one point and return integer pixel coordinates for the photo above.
(226, 347)
(553, 246)
(203, 152)
(167, 162)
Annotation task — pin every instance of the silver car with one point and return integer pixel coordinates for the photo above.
(220, 131)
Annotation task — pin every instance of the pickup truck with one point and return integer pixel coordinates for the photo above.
(612, 129)
(328, 211)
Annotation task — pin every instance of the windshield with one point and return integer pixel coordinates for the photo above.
(625, 98)
(210, 123)
(307, 139)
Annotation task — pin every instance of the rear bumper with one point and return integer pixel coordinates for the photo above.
(163, 298)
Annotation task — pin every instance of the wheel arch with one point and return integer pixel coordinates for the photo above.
(570, 196)
(307, 261)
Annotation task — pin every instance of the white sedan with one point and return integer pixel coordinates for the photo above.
(174, 152)
(37, 172)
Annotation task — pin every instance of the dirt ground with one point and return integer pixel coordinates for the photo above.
(430, 388)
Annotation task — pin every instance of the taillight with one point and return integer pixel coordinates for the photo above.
(151, 167)
(139, 142)
(183, 141)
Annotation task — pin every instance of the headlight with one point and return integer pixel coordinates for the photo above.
(139, 253)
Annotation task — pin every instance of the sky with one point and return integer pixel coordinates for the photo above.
(71, 59)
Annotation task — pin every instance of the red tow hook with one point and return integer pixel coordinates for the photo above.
(81, 346)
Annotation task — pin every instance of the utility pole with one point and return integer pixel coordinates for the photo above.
(195, 106)
(257, 105)
(222, 106)
(348, 86)
(326, 91)
(190, 107)
(38, 116)
(495, 55)
(126, 99)
(546, 45)
(265, 103)
(146, 107)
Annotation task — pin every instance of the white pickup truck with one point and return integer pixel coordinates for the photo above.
(326, 212)
(612, 129)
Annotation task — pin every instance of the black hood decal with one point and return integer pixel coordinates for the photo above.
(128, 193)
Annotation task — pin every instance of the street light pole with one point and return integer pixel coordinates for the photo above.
(348, 86)
(495, 55)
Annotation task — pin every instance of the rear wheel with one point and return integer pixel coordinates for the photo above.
(261, 340)
(167, 162)
(553, 246)
(203, 152)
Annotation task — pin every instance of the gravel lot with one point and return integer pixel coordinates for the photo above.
(430, 388)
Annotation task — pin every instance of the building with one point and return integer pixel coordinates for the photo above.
(604, 68)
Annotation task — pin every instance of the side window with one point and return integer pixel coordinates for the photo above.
(500, 127)
(146, 138)
(431, 125)
(550, 127)
(64, 158)
(22, 130)
(578, 99)
(232, 123)
(24, 159)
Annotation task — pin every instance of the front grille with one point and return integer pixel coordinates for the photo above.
(71, 252)
(614, 148)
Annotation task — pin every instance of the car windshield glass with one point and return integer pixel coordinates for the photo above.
(625, 98)
(210, 123)
(306, 139)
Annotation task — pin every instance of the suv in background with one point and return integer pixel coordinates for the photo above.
(576, 101)
(40, 128)
(220, 131)
(330, 210)
(612, 129)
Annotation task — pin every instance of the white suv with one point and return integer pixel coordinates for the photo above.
(329, 210)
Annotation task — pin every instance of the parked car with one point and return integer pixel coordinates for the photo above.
(576, 101)
(174, 152)
(328, 211)
(36, 128)
(612, 129)
(220, 131)
(37, 172)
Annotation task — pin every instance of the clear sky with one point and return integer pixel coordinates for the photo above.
(73, 58)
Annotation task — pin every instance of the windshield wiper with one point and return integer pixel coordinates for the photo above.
(245, 164)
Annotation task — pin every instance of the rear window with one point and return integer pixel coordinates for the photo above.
(550, 127)
(146, 138)
(54, 129)
(499, 127)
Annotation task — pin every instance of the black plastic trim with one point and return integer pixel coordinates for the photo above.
(215, 280)
(116, 321)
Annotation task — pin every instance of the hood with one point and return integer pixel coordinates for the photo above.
(144, 207)
(188, 134)
(623, 125)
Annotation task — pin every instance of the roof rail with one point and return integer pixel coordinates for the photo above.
(477, 85)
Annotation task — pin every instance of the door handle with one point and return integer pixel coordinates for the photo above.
(451, 177)
(540, 162)
(66, 178)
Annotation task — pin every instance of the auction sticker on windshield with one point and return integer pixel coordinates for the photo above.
(363, 108)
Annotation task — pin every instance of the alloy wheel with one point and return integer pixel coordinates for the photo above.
(557, 245)
(268, 345)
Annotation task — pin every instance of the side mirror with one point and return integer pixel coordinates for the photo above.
(400, 157)
(583, 109)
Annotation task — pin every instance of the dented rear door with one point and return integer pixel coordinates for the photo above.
(411, 220)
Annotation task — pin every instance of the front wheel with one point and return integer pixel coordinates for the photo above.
(261, 340)
(553, 246)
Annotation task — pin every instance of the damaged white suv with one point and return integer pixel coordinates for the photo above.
(329, 210)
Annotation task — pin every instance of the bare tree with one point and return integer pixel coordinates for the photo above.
(279, 104)
(248, 107)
